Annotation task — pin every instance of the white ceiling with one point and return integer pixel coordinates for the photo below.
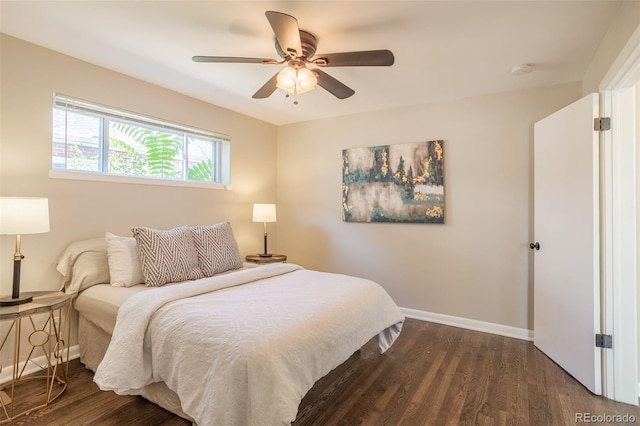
(443, 50)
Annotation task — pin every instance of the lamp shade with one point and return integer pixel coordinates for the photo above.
(24, 215)
(264, 212)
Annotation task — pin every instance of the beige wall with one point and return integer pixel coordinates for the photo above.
(475, 266)
(637, 95)
(81, 209)
(478, 264)
(621, 29)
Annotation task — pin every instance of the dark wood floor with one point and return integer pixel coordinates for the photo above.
(433, 375)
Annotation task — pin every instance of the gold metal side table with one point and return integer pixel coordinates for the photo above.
(46, 322)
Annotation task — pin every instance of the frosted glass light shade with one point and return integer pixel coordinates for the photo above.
(306, 80)
(264, 212)
(296, 80)
(286, 79)
(24, 215)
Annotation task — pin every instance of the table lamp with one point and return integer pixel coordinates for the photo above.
(18, 216)
(264, 213)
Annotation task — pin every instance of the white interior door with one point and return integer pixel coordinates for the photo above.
(566, 271)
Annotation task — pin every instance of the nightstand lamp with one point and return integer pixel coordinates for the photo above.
(18, 216)
(264, 213)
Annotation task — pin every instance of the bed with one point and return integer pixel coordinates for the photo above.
(240, 346)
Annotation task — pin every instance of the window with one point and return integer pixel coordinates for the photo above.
(100, 140)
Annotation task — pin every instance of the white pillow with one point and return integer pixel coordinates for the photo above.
(124, 261)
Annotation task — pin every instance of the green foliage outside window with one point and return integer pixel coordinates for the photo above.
(97, 139)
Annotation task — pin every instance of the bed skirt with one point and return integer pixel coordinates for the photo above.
(94, 341)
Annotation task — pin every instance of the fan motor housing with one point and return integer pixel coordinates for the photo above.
(309, 44)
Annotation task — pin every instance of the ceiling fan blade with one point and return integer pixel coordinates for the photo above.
(268, 88)
(333, 86)
(285, 27)
(366, 58)
(231, 59)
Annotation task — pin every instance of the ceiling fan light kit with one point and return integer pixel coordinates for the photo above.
(297, 48)
(296, 80)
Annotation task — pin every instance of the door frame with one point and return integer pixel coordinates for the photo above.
(619, 229)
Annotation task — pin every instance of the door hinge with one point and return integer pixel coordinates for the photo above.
(601, 123)
(604, 341)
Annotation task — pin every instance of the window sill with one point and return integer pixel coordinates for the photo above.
(99, 177)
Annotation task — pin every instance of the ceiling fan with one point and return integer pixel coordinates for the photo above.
(297, 48)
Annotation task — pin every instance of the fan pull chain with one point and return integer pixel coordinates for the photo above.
(295, 99)
(295, 88)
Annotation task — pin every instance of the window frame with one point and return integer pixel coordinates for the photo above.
(221, 147)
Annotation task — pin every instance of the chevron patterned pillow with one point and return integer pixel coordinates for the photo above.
(167, 256)
(217, 248)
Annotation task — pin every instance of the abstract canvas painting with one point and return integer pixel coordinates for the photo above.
(394, 183)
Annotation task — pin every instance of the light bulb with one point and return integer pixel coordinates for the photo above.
(306, 80)
(286, 79)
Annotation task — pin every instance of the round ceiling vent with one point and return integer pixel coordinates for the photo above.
(521, 69)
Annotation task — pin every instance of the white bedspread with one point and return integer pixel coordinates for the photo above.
(250, 346)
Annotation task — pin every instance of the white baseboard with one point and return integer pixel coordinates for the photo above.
(33, 367)
(470, 324)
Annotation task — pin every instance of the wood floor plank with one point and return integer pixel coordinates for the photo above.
(433, 375)
(517, 411)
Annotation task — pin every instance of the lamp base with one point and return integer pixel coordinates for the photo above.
(265, 254)
(10, 301)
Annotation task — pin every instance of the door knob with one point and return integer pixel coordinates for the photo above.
(535, 245)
